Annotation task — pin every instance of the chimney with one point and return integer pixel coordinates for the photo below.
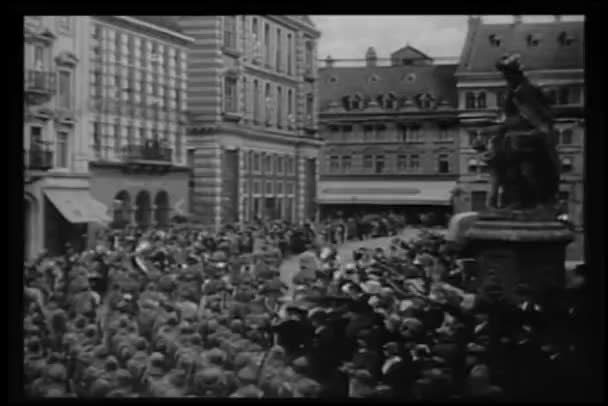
(371, 59)
(517, 19)
(329, 62)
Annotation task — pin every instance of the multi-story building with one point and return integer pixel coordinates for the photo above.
(252, 95)
(552, 55)
(58, 203)
(136, 69)
(390, 135)
(104, 129)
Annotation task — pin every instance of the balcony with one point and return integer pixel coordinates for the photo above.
(39, 159)
(147, 153)
(39, 86)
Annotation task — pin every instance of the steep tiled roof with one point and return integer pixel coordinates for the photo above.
(437, 80)
(480, 55)
(409, 52)
(167, 22)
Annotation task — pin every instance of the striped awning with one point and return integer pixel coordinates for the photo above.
(386, 192)
(78, 206)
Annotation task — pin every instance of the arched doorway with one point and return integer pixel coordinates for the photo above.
(161, 212)
(143, 209)
(122, 208)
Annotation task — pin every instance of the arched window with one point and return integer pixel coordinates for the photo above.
(161, 209)
(381, 101)
(122, 208)
(481, 100)
(356, 102)
(469, 100)
(143, 209)
(391, 101)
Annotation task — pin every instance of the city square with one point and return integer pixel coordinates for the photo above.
(214, 209)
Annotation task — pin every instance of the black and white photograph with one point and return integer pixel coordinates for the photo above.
(384, 207)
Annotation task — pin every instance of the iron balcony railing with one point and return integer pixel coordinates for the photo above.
(39, 159)
(40, 81)
(153, 152)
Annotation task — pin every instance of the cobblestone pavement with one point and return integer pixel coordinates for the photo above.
(291, 265)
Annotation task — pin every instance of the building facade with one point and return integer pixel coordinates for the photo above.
(390, 135)
(252, 92)
(137, 71)
(552, 54)
(58, 203)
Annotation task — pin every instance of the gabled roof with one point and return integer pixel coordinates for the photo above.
(437, 80)
(409, 52)
(479, 55)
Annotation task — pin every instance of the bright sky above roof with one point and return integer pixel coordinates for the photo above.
(349, 36)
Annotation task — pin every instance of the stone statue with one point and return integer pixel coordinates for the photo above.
(521, 153)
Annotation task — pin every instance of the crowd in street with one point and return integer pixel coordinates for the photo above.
(182, 312)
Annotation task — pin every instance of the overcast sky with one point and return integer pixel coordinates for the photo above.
(436, 35)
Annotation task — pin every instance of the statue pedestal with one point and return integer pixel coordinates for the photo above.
(520, 249)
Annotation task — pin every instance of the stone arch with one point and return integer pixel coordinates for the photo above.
(161, 208)
(143, 208)
(122, 208)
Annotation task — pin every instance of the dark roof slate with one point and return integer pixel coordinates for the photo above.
(548, 54)
(437, 80)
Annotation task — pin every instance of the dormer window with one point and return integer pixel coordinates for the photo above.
(533, 40)
(347, 102)
(374, 78)
(424, 101)
(380, 100)
(391, 101)
(356, 102)
(495, 40)
(564, 39)
(407, 62)
(332, 79)
(410, 78)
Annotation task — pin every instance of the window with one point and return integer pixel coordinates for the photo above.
(64, 23)
(566, 136)
(333, 164)
(401, 163)
(356, 102)
(267, 44)
(279, 107)
(391, 102)
(39, 58)
(551, 95)
(279, 161)
(403, 132)
(469, 100)
(256, 187)
(425, 101)
(267, 164)
(347, 130)
(309, 104)
(117, 138)
(246, 208)
(289, 165)
(564, 39)
(308, 61)
(245, 95)
(268, 102)
(414, 162)
(256, 101)
(443, 165)
(566, 164)
(62, 149)
(36, 137)
(246, 187)
(478, 200)
(368, 133)
(96, 136)
(254, 26)
(532, 40)
(346, 163)
(289, 188)
(289, 54)
(268, 188)
(379, 167)
(444, 134)
(563, 96)
(380, 132)
(279, 48)
(495, 40)
(230, 32)
(178, 146)
(230, 99)
(472, 165)
(564, 197)
(256, 162)
(367, 162)
(65, 89)
(246, 157)
(279, 188)
(481, 100)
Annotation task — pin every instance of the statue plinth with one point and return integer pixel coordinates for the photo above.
(521, 249)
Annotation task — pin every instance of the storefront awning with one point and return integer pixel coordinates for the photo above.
(78, 206)
(435, 193)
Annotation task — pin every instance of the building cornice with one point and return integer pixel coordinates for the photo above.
(294, 23)
(154, 27)
(358, 116)
(494, 74)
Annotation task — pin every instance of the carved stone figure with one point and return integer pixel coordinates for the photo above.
(521, 152)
